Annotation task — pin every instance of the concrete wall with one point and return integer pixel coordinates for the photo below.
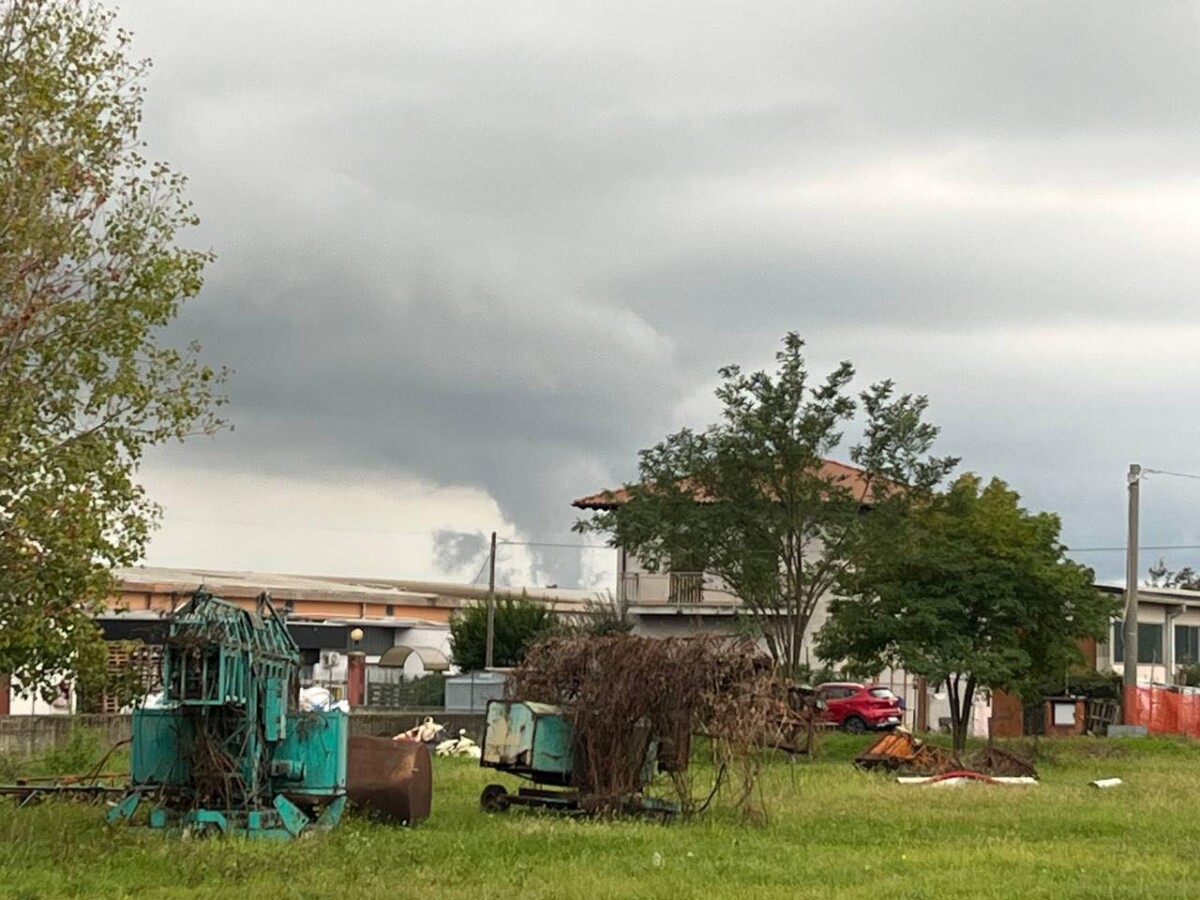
(25, 736)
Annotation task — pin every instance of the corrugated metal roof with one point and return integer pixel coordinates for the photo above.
(328, 588)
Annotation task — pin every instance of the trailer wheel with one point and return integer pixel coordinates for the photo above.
(494, 799)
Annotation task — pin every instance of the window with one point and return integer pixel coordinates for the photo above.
(882, 693)
(1150, 643)
(1187, 644)
(837, 693)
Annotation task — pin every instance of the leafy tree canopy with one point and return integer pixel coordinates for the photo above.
(519, 623)
(973, 592)
(89, 276)
(751, 501)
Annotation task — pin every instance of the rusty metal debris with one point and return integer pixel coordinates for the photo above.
(900, 751)
(93, 785)
(995, 761)
(390, 779)
(799, 720)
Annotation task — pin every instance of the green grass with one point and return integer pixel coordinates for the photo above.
(832, 832)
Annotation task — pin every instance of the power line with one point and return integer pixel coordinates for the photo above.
(554, 544)
(483, 565)
(1146, 471)
(1122, 548)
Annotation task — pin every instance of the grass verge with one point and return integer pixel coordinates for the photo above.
(832, 832)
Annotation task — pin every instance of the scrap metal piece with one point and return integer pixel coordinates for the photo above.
(995, 761)
(125, 809)
(896, 750)
(392, 779)
(293, 818)
(900, 751)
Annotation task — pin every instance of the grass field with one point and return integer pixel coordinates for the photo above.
(832, 832)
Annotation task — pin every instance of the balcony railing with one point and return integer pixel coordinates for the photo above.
(685, 587)
(682, 588)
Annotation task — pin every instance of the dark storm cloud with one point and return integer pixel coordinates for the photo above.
(497, 245)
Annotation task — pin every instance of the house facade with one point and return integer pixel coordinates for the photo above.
(680, 603)
(1168, 634)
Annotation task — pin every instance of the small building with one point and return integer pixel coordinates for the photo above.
(1168, 634)
(324, 615)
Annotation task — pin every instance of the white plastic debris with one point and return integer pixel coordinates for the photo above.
(459, 746)
(1106, 782)
(316, 699)
(936, 781)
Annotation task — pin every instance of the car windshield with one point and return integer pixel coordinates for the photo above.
(883, 693)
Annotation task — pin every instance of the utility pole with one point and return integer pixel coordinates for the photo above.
(1130, 631)
(491, 606)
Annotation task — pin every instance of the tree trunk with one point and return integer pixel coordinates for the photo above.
(961, 696)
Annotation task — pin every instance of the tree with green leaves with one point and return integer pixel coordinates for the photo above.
(90, 275)
(753, 500)
(972, 592)
(519, 623)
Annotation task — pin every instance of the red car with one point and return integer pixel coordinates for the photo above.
(859, 707)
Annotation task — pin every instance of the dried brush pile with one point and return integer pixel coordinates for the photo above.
(623, 692)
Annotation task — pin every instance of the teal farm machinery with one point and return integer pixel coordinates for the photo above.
(228, 751)
(536, 742)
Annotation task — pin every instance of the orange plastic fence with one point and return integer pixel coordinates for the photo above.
(1163, 711)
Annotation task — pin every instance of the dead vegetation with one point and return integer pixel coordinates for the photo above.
(625, 695)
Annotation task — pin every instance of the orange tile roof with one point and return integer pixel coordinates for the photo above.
(831, 470)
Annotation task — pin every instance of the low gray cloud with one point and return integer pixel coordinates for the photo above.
(502, 247)
(456, 550)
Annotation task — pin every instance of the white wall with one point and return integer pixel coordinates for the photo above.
(1154, 613)
(35, 706)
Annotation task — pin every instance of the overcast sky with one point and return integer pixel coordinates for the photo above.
(472, 257)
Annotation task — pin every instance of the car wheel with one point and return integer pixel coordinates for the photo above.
(854, 724)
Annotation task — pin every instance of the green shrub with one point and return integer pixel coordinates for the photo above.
(82, 750)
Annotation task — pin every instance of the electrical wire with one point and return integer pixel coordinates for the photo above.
(1173, 474)
(1122, 549)
(507, 543)
(482, 566)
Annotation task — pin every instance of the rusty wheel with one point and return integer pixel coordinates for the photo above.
(494, 799)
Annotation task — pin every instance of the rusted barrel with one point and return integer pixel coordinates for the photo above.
(391, 779)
